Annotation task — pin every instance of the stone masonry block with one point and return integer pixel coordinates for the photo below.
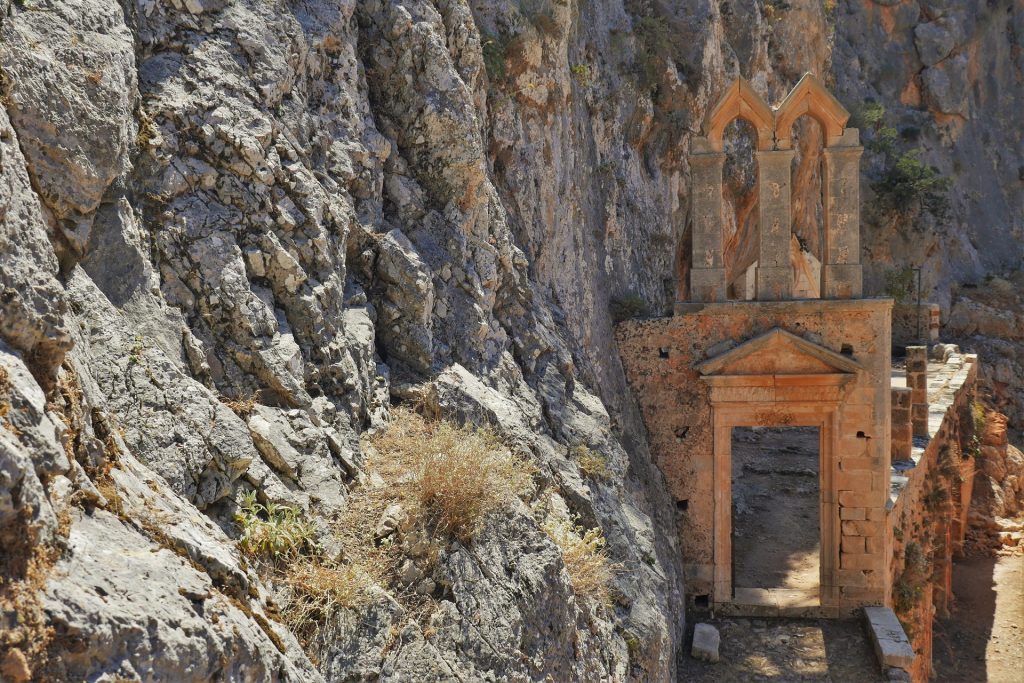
(705, 643)
(858, 480)
(874, 545)
(857, 561)
(854, 545)
(892, 647)
(842, 281)
(707, 284)
(855, 593)
(861, 499)
(901, 397)
(917, 359)
(876, 514)
(855, 528)
(774, 284)
(858, 463)
(857, 578)
(853, 514)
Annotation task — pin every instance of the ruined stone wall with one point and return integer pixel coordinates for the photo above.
(659, 356)
(929, 504)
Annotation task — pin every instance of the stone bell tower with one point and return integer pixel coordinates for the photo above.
(775, 361)
(841, 275)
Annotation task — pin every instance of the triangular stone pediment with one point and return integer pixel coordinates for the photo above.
(779, 353)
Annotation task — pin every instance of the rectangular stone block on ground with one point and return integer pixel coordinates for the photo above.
(892, 647)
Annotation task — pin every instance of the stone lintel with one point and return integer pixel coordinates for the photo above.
(706, 159)
(791, 307)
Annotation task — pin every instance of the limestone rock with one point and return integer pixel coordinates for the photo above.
(135, 607)
(946, 86)
(31, 452)
(318, 208)
(705, 643)
(32, 302)
(75, 144)
(935, 40)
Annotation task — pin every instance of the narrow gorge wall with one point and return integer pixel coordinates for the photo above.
(224, 220)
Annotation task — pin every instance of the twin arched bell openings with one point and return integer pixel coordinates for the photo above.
(840, 273)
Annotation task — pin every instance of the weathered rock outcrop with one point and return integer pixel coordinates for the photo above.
(231, 233)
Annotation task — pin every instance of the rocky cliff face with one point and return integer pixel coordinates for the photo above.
(234, 232)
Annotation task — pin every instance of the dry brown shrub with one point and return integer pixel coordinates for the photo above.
(590, 570)
(452, 476)
(5, 405)
(318, 592)
(591, 463)
(24, 570)
(241, 406)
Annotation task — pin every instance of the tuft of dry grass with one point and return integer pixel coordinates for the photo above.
(5, 405)
(452, 476)
(318, 592)
(591, 463)
(24, 569)
(590, 570)
(241, 406)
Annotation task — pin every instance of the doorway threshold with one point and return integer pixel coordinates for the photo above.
(775, 602)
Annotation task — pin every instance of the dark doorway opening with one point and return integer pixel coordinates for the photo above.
(776, 512)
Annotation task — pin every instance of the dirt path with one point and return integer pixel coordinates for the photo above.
(776, 537)
(785, 651)
(983, 640)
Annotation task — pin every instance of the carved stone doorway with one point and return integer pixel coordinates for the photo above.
(776, 508)
(777, 379)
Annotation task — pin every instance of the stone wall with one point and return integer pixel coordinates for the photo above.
(929, 503)
(659, 356)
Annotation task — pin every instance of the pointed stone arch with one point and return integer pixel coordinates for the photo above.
(740, 101)
(810, 97)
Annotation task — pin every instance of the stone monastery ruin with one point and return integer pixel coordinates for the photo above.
(751, 353)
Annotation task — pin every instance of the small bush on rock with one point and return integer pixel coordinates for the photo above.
(627, 306)
(583, 551)
(591, 463)
(905, 186)
(452, 476)
(319, 591)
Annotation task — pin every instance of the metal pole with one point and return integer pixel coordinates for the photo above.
(917, 312)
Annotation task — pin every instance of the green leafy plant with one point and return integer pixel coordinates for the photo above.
(627, 306)
(495, 49)
(582, 74)
(272, 531)
(654, 46)
(904, 186)
(979, 418)
(909, 186)
(900, 284)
